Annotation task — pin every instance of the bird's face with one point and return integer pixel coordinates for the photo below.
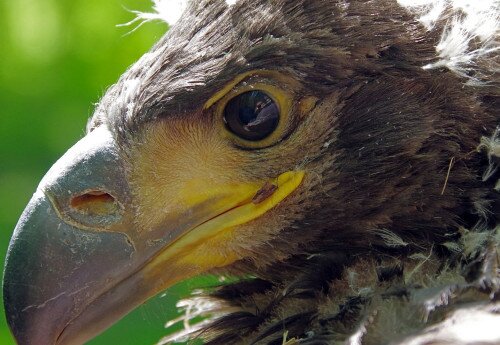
(248, 133)
(203, 152)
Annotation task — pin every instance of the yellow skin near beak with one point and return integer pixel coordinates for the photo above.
(199, 249)
(185, 167)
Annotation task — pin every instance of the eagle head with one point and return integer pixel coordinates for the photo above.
(259, 138)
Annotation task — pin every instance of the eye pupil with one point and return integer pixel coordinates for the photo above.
(252, 115)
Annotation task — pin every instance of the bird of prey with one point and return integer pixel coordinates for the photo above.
(338, 157)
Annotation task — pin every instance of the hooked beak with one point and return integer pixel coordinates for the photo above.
(78, 261)
(69, 242)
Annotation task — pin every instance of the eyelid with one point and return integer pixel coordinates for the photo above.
(274, 77)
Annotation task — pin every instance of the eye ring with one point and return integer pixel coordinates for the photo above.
(252, 115)
(278, 120)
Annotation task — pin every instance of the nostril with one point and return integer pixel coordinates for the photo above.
(93, 209)
(95, 203)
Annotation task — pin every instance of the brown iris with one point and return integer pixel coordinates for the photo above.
(252, 115)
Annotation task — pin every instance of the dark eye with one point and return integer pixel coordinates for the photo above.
(252, 115)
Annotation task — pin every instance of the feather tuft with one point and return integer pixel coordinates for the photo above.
(469, 42)
(168, 11)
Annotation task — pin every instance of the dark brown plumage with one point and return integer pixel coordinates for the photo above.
(392, 235)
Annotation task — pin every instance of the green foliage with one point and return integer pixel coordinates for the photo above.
(57, 59)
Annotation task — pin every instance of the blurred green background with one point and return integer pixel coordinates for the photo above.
(57, 57)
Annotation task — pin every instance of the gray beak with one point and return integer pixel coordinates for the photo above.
(53, 268)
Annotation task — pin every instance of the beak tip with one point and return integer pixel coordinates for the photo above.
(65, 250)
(53, 270)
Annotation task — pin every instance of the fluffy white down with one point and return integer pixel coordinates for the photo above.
(470, 32)
(168, 11)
